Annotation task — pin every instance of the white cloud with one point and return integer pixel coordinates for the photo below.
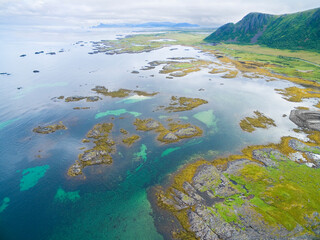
(91, 12)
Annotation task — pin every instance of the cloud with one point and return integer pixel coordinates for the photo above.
(90, 12)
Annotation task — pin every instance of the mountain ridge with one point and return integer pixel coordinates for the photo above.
(292, 31)
(147, 25)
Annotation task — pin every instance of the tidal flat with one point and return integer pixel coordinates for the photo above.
(168, 120)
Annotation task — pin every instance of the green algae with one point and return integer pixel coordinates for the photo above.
(142, 154)
(168, 151)
(117, 112)
(63, 196)
(5, 204)
(6, 123)
(134, 99)
(208, 118)
(31, 176)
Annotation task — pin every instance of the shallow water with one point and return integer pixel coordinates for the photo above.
(39, 200)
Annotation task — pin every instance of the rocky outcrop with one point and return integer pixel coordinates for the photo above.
(306, 119)
(248, 199)
(50, 128)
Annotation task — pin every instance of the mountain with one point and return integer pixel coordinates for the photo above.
(147, 25)
(292, 31)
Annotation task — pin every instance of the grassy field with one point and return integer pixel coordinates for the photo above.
(302, 64)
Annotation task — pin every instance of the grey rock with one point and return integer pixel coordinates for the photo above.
(170, 137)
(268, 156)
(186, 132)
(75, 169)
(95, 157)
(306, 119)
(152, 124)
(93, 98)
(178, 74)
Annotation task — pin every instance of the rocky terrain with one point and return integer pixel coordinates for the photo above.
(269, 192)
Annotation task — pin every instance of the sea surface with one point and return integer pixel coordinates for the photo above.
(38, 200)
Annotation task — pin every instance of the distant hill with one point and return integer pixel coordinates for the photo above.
(292, 31)
(147, 25)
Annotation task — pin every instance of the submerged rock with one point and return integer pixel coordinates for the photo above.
(306, 119)
(50, 128)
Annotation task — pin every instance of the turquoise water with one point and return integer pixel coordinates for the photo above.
(37, 198)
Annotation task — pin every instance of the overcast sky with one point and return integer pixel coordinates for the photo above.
(91, 12)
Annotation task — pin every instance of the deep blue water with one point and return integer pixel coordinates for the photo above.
(113, 202)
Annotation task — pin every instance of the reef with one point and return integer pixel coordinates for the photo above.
(249, 124)
(81, 108)
(121, 93)
(183, 104)
(265, 193)
(306, 119)
(130, 140)
(123, 131)
(79, 98)
(174, 133)
(50, 128)
(100, 153)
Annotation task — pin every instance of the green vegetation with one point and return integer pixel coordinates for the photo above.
(290, 31)
(180, 69)
(298, 64)
(146, 42)
(287, 195)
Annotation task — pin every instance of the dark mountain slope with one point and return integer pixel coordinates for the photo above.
(293, 31)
